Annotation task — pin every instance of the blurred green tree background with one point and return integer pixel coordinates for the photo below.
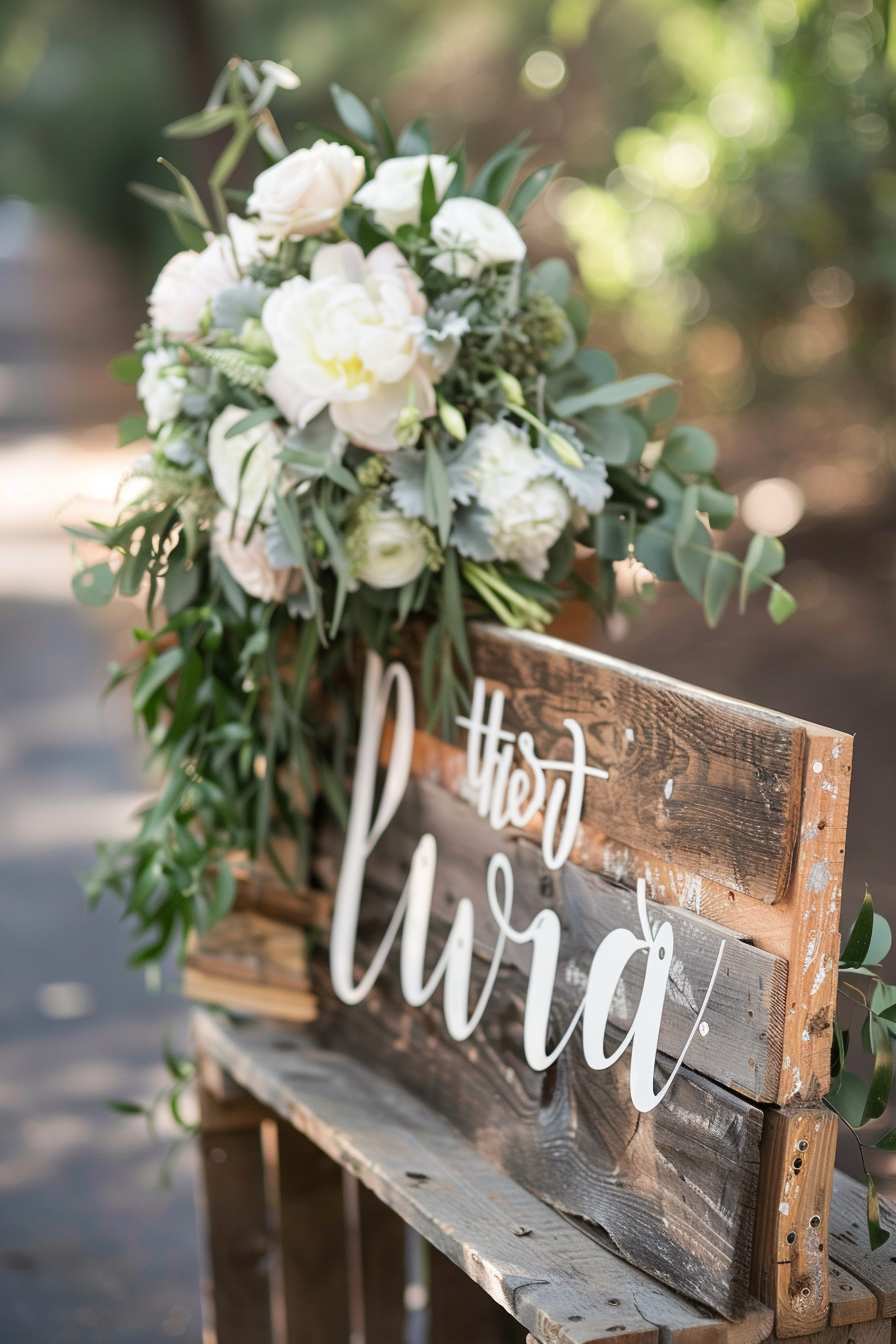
(728, 184)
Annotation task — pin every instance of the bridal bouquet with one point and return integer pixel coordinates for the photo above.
(363, 404)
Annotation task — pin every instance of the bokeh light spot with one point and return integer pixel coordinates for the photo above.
(545, 70)
(774, 506)
(831, 287)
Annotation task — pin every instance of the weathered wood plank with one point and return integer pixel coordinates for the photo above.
(849, 1246)
(234, 1199)
(868, 1332)
(675, 1188)
(700, 780)
(851, 1301)
(312, 1240)
(790, 1252)
(550, 1277)
(251, 962)
(745, 1017)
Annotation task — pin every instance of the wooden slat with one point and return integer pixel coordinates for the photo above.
(289, 1004)
(675, 1188)
(550, 1277)
(702, 781)
(237, 1233)
(745, 1017)
(790, 1251)
(849, 1246)
(312, 1238)
(851, 1301)
(868, 1332)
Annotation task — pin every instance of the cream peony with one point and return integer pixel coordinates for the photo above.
(395, 191)
(248, 561)
(350, 338)
(472, 235)
(244, 490)
(186, 283)
(161, 387)
(527, 509)
(394, 549)
(305, 193)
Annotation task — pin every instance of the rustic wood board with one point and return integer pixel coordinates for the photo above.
(745, 1016)
(851, 1301)
(550, 1277)
(708, 783)
(790, 1253)
(848, 1241)
(868, 1332)
(803, 928)
(674, 1188)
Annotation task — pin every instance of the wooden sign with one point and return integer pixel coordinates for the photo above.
(600, 935)
(731, 821)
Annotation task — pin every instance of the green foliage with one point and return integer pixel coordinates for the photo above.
(859, 1103)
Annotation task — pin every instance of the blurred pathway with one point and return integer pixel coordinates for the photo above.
(92, 1251)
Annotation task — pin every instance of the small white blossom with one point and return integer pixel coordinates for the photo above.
(472, 235)
(527, 510)
(395, 191)
(307, 191)
(392, 549)
(161, 387)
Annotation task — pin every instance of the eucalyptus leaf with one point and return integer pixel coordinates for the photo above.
(126, 368)
(614, 394)
(859, 941)
(876, 1234)
(131, 427)
(415, 138)
(847, 1096)
(353, 114)
(529, 190)
(95, 585)
(720, 581)
(207, 121)
(154, 675)
(689, 450)
(554, 278)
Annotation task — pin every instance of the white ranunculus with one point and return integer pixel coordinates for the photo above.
(349, 338)
(244, 489)
(253, 241)
(161, 387)
(307, 191)
(185, 285)
(395, 191)
(473, 234)
(248, 560)
(394, 549)
(527, 509)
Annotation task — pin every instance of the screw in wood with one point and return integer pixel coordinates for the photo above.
(803, 1145)
(815, 1221)
(791, 1238)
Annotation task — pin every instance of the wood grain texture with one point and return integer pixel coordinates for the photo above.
(803, 929)
(790, 1251)
(234, 1200)
(260, 887)
(674, 1188)
(550, 1277)
(700, 780)
(849, 1244)
(868, 1332)
(252, 963)
(312, 1241)
(851, 1301)
(271, 1001)
(745, 1016)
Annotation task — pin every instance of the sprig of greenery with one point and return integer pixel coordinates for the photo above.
(856, 1102)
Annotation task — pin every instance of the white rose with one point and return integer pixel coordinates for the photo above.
(248, 562)
(471, 235)
(527, 509)
(253, 242)
(244, 490)
(161, 386)
(350, 338)
(185, 285)
(394, 549)
(306, 192)
(395, 191)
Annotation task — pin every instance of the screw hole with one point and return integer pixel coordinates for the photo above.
(661, 954)
(612, 1301)
(806, 1292)
(815, 1221)
(791, 1238)
(803, 1145)
(797, 1163)
(576, 1318)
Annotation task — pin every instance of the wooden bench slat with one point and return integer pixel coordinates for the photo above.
(550, 1277)
(849, 1246)
(851, 1301)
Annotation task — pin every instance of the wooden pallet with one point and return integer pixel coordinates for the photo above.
(547, 1273)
